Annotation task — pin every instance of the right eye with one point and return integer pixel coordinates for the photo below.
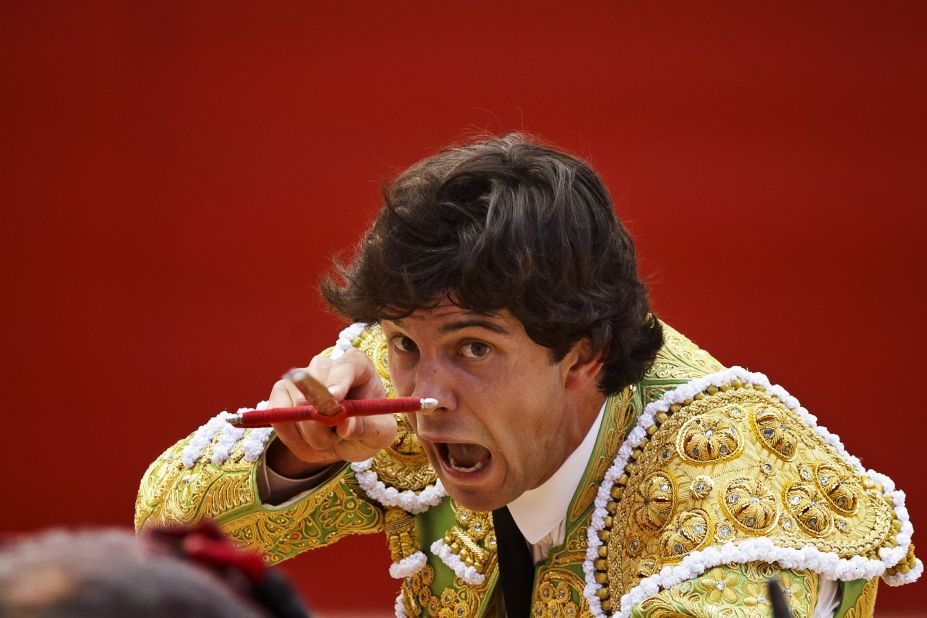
(403, 344)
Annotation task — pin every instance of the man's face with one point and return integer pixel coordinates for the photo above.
(504, 423)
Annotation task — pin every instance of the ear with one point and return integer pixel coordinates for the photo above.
(582, 366)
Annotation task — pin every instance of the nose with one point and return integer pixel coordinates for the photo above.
(433, 380)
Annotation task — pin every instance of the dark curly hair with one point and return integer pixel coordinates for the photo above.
(506, 223)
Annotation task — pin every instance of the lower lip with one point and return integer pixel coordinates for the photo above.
(466, 477)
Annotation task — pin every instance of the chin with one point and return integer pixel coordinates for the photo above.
(476, 501)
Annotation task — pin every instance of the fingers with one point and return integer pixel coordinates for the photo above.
(310, 442)
(314, 390)
(355, 439)
(363, 436)
(374, 432)
(296, 443)
(354, 374)
(285, 394)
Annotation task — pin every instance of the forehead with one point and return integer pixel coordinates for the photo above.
(448, 316)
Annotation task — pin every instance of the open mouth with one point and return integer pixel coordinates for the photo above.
(463, 457)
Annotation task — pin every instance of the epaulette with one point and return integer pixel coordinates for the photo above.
(729, 469)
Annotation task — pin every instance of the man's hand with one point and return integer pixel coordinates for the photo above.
(306, 447)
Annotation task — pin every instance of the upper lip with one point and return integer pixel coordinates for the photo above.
(437, 439)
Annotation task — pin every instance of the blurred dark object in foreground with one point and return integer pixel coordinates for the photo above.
(780, 609)
(167, 572)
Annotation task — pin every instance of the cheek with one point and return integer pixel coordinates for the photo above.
(537, 420)
(402, 381)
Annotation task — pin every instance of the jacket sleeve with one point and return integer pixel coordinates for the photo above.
(213, 474)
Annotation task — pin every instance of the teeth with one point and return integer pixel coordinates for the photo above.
(477, 466)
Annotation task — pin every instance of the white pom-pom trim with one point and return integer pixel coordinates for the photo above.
(346, 339)
(202, 438)
(828, 564)
(408, 500)
(408, 566)
(454, 563)
(900, 579)
(255, 441)
(399, 607)
(228, 436)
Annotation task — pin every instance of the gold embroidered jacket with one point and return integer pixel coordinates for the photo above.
(703, 483)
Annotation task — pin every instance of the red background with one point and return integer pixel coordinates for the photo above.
(175, 176)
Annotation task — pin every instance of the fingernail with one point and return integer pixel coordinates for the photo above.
(294, 375)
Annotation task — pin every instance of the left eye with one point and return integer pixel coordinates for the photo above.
(475, 349)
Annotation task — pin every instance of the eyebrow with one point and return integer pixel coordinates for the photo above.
(474, 323)
(462, 324)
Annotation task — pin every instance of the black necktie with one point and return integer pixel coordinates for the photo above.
(516, 567)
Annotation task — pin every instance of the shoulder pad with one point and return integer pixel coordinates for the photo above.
(729, 469)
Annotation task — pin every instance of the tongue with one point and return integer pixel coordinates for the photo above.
(467, 456)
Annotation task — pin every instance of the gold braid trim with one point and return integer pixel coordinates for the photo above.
(472, 538)
(400, 534)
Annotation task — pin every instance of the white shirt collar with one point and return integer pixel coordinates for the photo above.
(541, 510)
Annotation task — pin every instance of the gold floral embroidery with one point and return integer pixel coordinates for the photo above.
(558, 594)
(809, 508)
(701, 487)
(735, 591)
(840, 489)
(372, 342)
(721, 585)
(404, 464)
(680, 359)
(621, 412)
(171, 493)
(459, 601)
